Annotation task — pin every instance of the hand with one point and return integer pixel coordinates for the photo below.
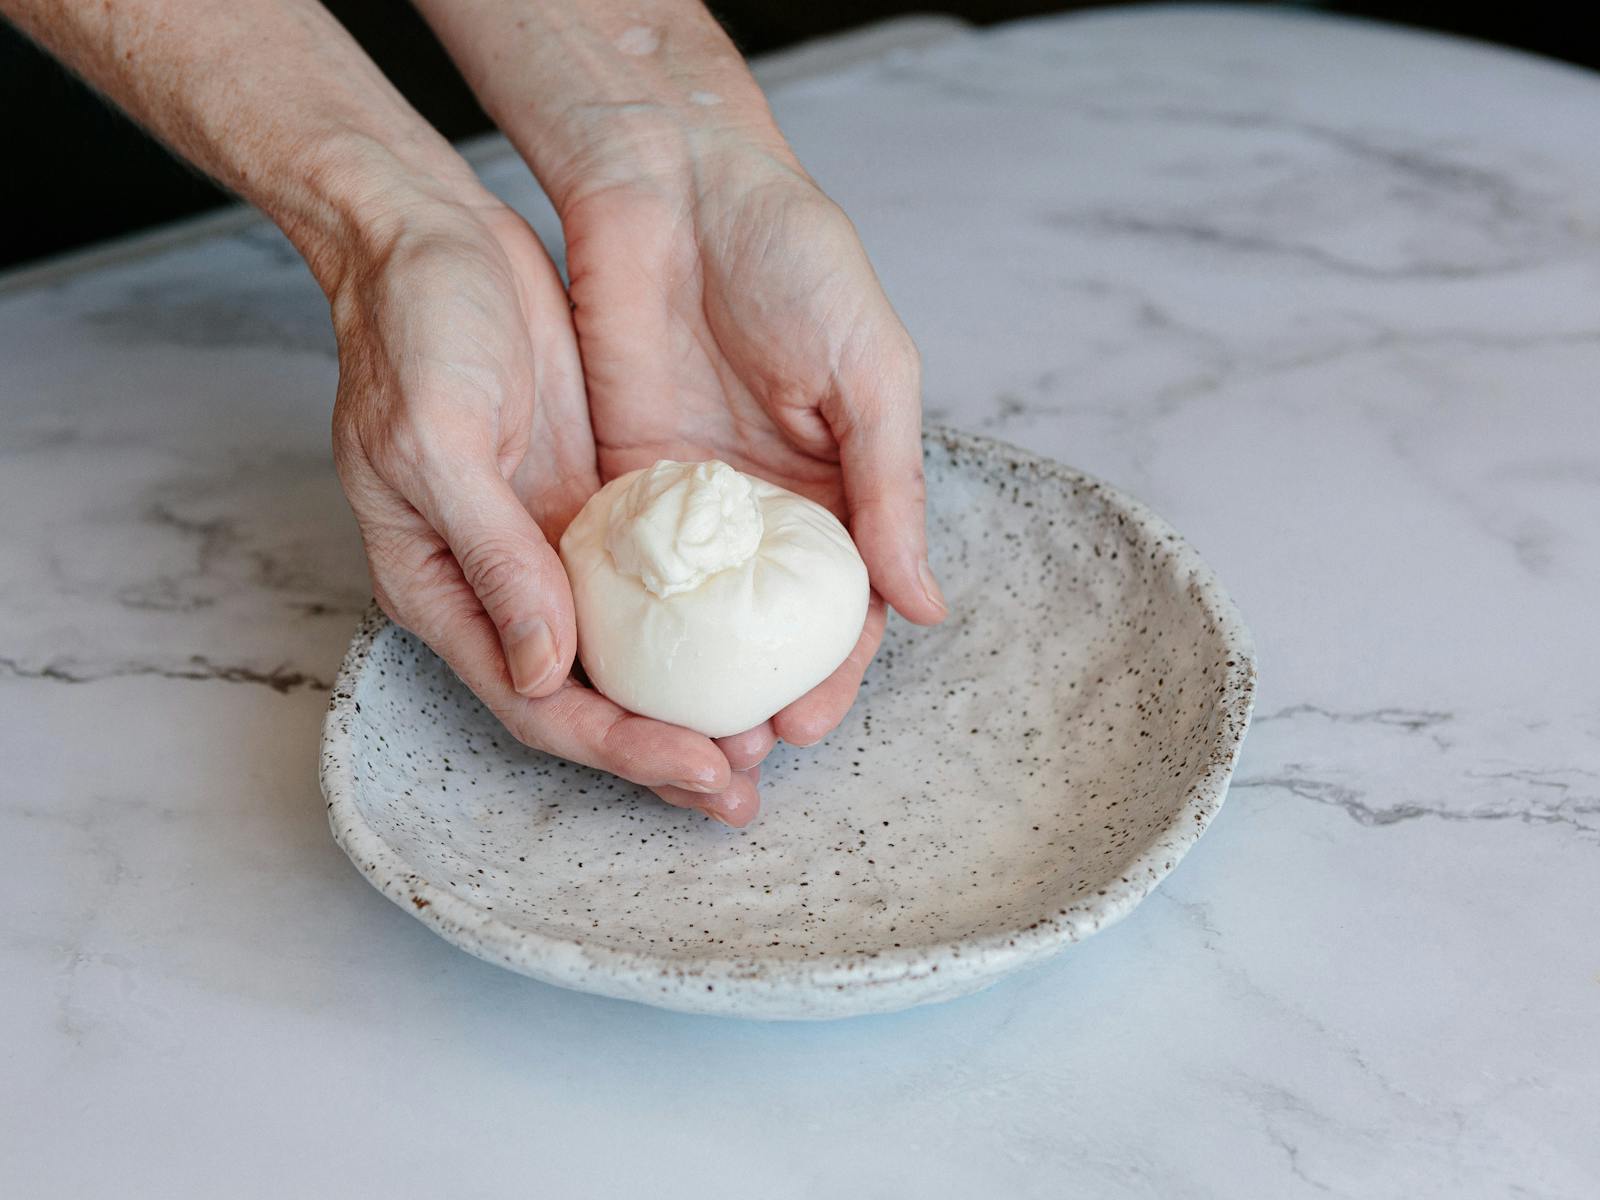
(460, 429)
(727, 310)
(463, 441)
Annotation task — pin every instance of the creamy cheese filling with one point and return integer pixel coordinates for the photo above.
(678, 524)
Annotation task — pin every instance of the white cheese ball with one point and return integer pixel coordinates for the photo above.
(709, 598)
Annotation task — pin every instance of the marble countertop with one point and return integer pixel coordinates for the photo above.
(1326, 295)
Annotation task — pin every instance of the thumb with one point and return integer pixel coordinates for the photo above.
(511, 568)
(879, 432)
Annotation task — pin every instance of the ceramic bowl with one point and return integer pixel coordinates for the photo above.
(1007, 784)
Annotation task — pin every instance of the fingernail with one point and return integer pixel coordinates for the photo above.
(930, 585)
(530, 653)
(718, 817)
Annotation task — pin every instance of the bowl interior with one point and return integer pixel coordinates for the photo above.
(996, 770)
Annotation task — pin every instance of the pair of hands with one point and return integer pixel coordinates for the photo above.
(720, 309)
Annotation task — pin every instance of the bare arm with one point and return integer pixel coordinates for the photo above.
(271, 97)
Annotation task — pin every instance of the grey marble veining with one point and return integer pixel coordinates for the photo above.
(1321, 293)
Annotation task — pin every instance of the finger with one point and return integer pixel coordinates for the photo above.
(737, 805)
(512, 570)
(420, 585)
(579, 724)
(879, 428)
(816, 714)
(747, 749)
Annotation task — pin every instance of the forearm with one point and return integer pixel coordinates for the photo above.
(595, 92)
(272, 98)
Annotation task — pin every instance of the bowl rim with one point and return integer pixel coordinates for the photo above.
(746, 984)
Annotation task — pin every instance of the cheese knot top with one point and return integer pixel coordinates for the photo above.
(677, 524)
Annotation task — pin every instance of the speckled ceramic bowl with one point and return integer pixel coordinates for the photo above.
(1007, 783)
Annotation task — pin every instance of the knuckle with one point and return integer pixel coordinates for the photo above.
(501, 578)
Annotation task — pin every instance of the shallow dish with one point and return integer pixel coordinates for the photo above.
(1007, 784)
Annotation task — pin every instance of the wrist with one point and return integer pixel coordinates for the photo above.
(354, 197)
(597, 93)
(666, 139)
(664, 142)
(657, 155)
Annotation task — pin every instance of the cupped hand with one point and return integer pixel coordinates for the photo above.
(727, 309)
(463, 441)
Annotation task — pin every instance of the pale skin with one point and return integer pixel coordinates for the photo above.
(719, 305)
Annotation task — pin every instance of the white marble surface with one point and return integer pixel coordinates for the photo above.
(1323, 294)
